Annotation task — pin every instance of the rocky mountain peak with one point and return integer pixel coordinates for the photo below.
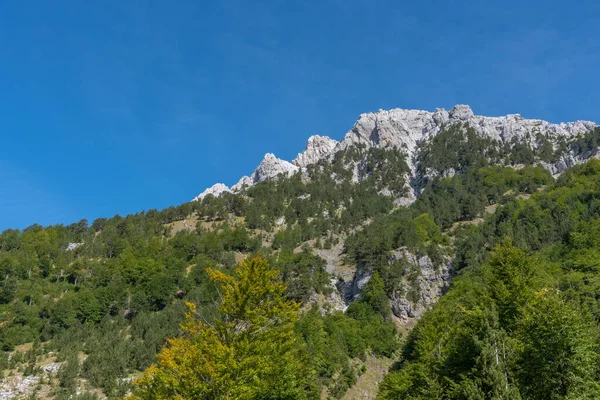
(405, 129)
(397, 128)
(461, 112)
(317, 148)
(270, 167)
(216, 190)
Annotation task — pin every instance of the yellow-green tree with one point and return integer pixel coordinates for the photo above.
(249, 352)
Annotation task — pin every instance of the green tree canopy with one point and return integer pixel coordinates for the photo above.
(250, 352)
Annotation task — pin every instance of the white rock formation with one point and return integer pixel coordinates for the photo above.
(317, 148)
(244, 182)
(270, 168)
(404, 129)
(430, 284)
(216, 190)
(73, 246)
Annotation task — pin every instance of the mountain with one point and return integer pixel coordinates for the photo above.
(317, 148)
(460, 250)
(407, 129)
(215, 190)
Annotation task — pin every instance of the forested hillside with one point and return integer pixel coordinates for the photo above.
(520, 319)
(363, 244)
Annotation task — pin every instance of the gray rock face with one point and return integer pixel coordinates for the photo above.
(216, 190)
(317, 148)
(73, 246)
(461, 112)
(408, 199)
(414, 296)
(351, 290)
(568, 160)
(429, 285)
(326, 303)
(271, 167)
(404, 129)
(244, 182)
(18, 386)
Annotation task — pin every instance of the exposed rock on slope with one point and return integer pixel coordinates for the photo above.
(216, 190)
(398, 128)
(244, 182)
(430, 283)
(422, 284)
(317, 148)
(405, 129)
(271, 167)
(568, 160)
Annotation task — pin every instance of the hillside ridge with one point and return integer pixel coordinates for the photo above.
(405, 129)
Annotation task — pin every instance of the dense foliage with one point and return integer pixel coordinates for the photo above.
(250, 351)
(115, 289)
(519, 320)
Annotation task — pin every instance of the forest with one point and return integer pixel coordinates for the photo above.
(182, 302)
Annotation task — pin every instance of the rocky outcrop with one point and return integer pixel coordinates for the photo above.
(317, 148)
(326, 303)
(73, 246)
(215, 190)
(407, 199)
(15, 385)
(399, 128)
(242, 184)
(350, 291)
(417, 294)
(568, 160)
(271, 167)
(404, 129)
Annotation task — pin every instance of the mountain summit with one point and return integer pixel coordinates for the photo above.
(405, 129)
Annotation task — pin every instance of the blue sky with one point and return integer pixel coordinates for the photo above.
(120, 106)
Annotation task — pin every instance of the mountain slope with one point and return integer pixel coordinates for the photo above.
(367, 233)
(406, 130)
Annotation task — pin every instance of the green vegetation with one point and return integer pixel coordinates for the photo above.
(119, 295)
(519, 320)
(248, 352)
(457, 148)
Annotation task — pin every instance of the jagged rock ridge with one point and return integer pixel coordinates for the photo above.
(270, 168)
(216, 190)
(405, 129)
(317, 148)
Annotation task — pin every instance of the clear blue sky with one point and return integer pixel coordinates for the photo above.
(119, 106)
